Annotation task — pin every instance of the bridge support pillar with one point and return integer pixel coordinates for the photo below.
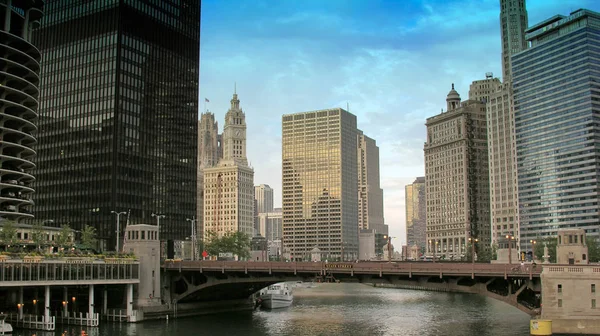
(20, 306)
(91, 301)
(129, 301)
(65, 301)
(46, 304)
(105, 301)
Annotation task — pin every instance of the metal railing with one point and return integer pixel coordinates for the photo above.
(28, 321)
(78, 319)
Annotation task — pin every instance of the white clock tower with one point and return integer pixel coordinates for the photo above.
(234, 133)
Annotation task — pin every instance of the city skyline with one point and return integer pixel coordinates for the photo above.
(326, 55)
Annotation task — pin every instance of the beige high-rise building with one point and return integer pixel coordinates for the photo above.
(370, 194)
(320, 186)
(481, 90)
(513, 23)
(208, 156)
(229, 186)
(416, 210)
(263, 194)
(456, 178)
(501, 130)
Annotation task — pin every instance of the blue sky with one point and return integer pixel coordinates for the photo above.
(393, 61)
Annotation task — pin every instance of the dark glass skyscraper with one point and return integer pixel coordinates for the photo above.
(118, 114)
(557, 119)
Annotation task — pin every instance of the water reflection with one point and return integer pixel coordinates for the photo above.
(345, 310)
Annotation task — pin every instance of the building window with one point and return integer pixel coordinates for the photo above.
(559, 303)
(594, 303)
(593, 288)
(560, 288)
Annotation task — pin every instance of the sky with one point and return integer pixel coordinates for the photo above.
(392, 61)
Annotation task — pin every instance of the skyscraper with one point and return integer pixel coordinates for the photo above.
(208, 156)
(456, 178)
(264, 198)
(118, 114)
(19, 90)
(229, 186)
(513, 22)
(370, 194)
(416, 210)
(500, 117)
(320, 185)
(556, 121)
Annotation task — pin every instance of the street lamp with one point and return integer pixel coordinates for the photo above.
(118, 225)
(434, 245)
(473, 241)
(510, 239)
(193, 221)
(533, 242)
(158, 217)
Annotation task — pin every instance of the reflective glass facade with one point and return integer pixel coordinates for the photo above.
(320, 184)
(118, 115)
(557, 122)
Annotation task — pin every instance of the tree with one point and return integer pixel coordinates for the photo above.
(38, 236)
(88, 237)
(484, 254)
(237, 243)
(593, 249)
(538, 250)
(494, 251)
(64, 236)
(8, 235)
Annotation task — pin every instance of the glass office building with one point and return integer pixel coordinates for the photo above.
(118, 114)
(557, 121)
(320, 184)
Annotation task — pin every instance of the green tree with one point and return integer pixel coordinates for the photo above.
(593, 249)
(495, 252)
(237, 243)
(484, 254)
(8, 235)
(38, 236)
(88, 237)
(64, 236)
(538, 250)
(240, 243)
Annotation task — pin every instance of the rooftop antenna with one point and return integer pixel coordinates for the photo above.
(347, 106)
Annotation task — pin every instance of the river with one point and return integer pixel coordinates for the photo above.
(342, 309)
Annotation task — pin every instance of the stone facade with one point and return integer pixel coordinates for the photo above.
(142, 240)
(229, 186)
(370, 194)
(570, 298)
(457, 178)
(572, 247)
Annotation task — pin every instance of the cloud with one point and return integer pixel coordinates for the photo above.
(392, 61)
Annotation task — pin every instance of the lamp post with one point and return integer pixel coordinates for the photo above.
(193, 221)
(158, 217)
(510, 238)
(118, 225)
(533, 242)
(473, 241)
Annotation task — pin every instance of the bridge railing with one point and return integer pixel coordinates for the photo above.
(364, 268)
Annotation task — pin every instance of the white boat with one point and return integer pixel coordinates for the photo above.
(275, 296)
(5, 327)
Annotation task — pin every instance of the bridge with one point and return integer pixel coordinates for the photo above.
(205, 281)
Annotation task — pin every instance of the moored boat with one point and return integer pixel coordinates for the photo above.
(275, 296)
(5, 327)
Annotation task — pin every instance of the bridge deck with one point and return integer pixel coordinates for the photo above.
(373, 268)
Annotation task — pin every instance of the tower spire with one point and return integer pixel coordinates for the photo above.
(234, 87)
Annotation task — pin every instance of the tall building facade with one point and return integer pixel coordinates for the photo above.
(481, 90)
(557, 119)
(19, 89)
(513, 23)
(456, 178)
(416, 214)
(229, 186)
(320, 185)
(264, 198)
(118, 114)
(370, 194)
(500, 116)
(270, 224)
(208, 156)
